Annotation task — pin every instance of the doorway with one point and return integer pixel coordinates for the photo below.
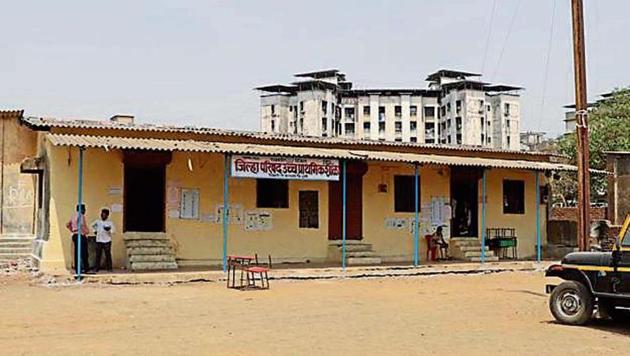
(464, 196)
(354, 204)
(145, 191)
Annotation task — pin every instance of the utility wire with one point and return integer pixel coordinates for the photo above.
(547, 59)
(485, 53)
(507, 37)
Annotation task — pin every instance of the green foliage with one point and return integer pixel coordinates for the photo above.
(609, 130)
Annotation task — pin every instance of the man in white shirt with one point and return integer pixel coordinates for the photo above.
(103, 229)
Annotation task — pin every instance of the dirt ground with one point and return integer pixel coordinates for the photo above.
(454, 314)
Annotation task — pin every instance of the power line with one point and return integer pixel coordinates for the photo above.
(507, 37)
(485, 53)
(547, 60)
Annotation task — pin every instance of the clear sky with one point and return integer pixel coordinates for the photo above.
(196, 62)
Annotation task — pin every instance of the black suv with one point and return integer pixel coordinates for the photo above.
(593, 279)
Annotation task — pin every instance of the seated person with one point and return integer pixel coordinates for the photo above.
(438, 240)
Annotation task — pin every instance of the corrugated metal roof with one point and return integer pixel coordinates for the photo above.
(275, 150)
(36, 122)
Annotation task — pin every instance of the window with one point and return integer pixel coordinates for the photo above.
(366, 127)
(404, 194)
(301, 106)
(459, 139)
(448, 107)
(398, 139)
(273, 109)
(443, 110)
(458, 123)
(413, 139)
(349, 113)
(513, 197)
(349, 129)
(413, 110)
(507, 109)
(324, 124)
(429, 111)
(413, 126)
(272, 193)
(508, 141)
(429, 131)
(458, 106)
(381, 127)
(489, 139)
(366, 110)
(273, 126)
(309, 209)
(398, 127)
(381, 113)
(324, 106)
(398, 111)
(626, 238)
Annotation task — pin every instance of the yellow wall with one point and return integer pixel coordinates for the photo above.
(525, 224)
(200, 242)
(396, 244)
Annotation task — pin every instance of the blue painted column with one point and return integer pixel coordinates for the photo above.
(226, 176)
(343, 215)
(79, 217)
(416, 232)
(538, 237)
(483, 215)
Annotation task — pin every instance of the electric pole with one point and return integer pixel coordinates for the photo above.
(581, 119)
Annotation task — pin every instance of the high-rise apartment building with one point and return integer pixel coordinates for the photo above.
(454, 109)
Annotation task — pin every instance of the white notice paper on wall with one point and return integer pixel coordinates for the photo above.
(116, 208)
(189, 204)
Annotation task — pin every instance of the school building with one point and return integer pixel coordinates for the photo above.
(185, 196)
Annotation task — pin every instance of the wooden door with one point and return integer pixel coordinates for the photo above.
(354, 204)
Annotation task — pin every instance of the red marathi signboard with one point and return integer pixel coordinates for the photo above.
(284, 168)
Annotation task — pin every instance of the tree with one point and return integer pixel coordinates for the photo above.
(609, 130)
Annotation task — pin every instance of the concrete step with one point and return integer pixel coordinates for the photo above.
(145, 236)
(471, 248)
(151, 258)
(15, 250)
(360, 254)
(488, 259)
(146, 266)
(357, 247)
(149, 251)
(362, 261)
(470, 254)
(28, 244)
(147, 243)
(11, 258)
(473, 242)
(19, 240)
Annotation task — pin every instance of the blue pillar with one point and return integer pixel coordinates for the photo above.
(79, 217)
(538, 238)
(343, 215)
(416, 232)
(483, 216)
(226, 176)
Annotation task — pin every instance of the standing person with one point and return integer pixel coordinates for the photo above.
(73, 226)
(103, 228)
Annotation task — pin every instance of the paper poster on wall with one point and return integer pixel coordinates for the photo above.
(189, 204)
(114, 191)
(258, 220)
(116, 208)
(172, 195)
(397, 223)
(234, 214)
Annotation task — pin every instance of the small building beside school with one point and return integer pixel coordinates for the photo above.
(169, 188)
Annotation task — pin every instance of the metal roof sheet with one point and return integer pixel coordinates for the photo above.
(44, 123)
(110, 142)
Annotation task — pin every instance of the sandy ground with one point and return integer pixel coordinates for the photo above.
(455, 314)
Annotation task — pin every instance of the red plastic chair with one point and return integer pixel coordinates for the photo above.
(431, 248)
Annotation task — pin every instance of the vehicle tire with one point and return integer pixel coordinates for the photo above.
(571, 303)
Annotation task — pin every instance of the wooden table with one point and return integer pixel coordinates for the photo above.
(235, 262)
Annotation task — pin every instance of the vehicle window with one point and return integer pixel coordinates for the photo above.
(626, 238)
